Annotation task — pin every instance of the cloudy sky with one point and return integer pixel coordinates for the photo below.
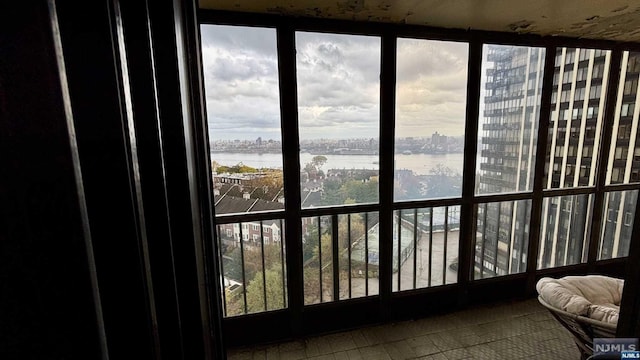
(338, 85)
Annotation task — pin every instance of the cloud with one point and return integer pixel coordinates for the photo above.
(431, 87)
(338, 84)
(241, 82)
(228, 67)
(429, 58)
(261, 41)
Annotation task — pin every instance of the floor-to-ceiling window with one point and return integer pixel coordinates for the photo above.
(384, 148)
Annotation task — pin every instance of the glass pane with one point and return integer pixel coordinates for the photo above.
(576, 117)
(338, 98)
(509, 116)
(243, 111)
(253, 266)
(425, 247)
(618, 216)
(356, 235)
(566, 221)
(501, 238)
(431, 89)
(624, 154)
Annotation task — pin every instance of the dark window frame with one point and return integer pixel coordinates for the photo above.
(390, 305)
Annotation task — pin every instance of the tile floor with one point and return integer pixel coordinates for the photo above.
(514, 330)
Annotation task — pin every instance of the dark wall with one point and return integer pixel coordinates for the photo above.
(136, 209)
(103, 177)
(46, 303)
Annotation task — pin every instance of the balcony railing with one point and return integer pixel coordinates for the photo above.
(253, 266)
(425, 247)
(341, 256)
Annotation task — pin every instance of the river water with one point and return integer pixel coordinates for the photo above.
(419, 163)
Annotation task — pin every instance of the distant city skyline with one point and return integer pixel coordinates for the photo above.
(264, 139)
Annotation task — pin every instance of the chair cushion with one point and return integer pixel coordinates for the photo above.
(559, 296)
(595, 296)
(604, 312)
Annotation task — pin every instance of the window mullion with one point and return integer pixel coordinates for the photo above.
(605, 145)
(387, 137)
(291, 167)
(467, 226)
(539, 174)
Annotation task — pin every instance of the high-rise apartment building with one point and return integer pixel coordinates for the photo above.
(623, 164)
(508, 130)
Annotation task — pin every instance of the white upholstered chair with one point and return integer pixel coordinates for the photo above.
(588, 306)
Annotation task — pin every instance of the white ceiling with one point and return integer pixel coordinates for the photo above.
(595, 19)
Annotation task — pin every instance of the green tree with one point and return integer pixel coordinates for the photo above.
(311, 272)
(327, 249)
(407, 188)
(253, 258)
(332, 194)
(311, 284)
(274, 292)
(234, 303)
(443, 170)
(236, 169)
(215, 165)
(232, 263)
(360, 191)
(311, 171)
(309, 243)
(443, 181)
(357, 230)
(313, 168)
(318, 160)
(253, 272)
(272, 179)
(313, 263)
